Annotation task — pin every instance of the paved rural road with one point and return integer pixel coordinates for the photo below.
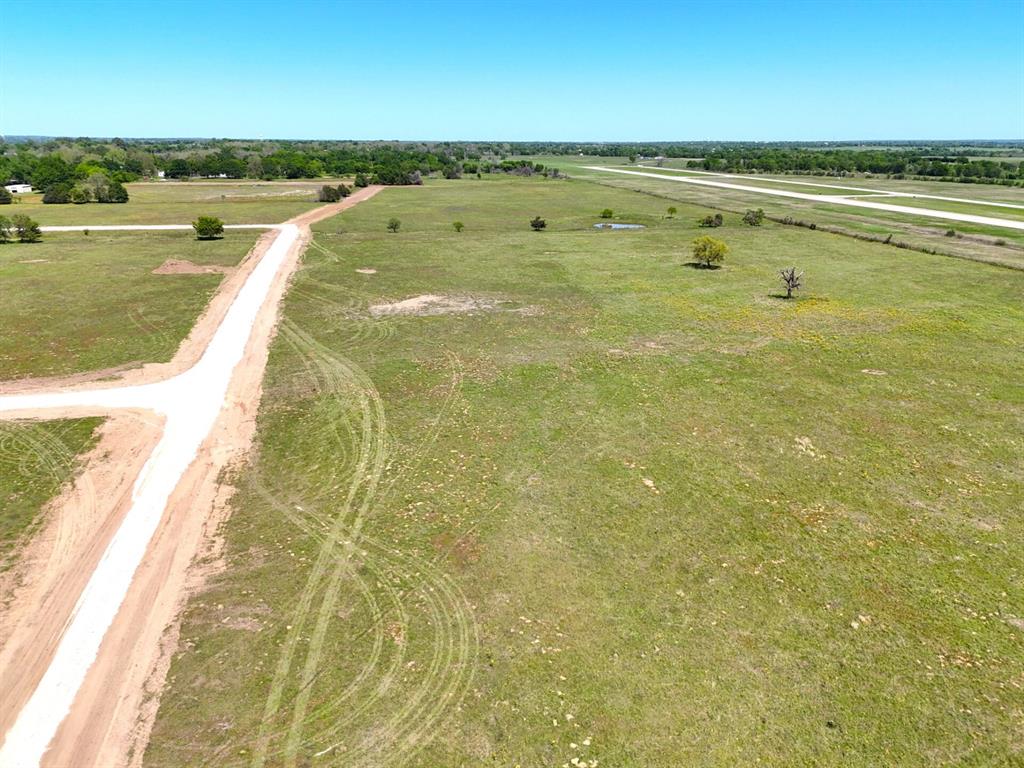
(865, 190)
(991, 221)
(190, 405)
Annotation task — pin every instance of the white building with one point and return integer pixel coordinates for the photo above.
(18, 189)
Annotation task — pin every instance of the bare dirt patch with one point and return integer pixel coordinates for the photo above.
(186, 267)
(429, 304)
(367, 271)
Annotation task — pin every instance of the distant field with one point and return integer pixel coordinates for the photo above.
(919, 231)
(181, 203)
(36, 459)
(76, 302)
(995, 192)
(620, 512)
(790, 185)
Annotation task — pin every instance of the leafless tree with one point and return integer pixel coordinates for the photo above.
(791, 279)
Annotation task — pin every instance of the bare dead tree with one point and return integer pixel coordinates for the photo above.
(791, 279)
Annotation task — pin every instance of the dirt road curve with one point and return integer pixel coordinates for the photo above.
(928, 213)
(89, 629)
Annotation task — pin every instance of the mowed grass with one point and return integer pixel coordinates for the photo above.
(36, 460)
(234, 202)
(631, 513)
(76, 302)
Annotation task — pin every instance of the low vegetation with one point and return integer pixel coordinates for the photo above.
(754, 218)
(36, 460)
(75, 303)
(332, 194)
(618, 512)
(712, 220)
(20, 226)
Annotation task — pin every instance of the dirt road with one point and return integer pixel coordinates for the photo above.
(86, 642)
(929, 213)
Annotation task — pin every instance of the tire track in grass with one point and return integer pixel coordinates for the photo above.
(25, 447)
(342, 539)
(366, 477)
(345, 380)
(406, 598)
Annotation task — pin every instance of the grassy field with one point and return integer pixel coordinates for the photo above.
(36, 459)
(791, 185)
(623, 512)
(805, 189)
(77, 302)
(235, 202)
(919, 231)
(993, 192)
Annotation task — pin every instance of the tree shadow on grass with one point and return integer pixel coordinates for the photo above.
(701, 265)
(794, 298)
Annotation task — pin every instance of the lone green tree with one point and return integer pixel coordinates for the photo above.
(393, 225)
(208, 227)
(362, 180)
(458, 226)
(538, 223)
(26, 229)
(607, 213)
(709, 251)
(791, 280)
(671, 211)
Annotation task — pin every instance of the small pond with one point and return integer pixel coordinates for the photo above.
(609, 225)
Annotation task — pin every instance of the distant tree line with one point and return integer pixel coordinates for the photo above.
(70, 162)
(840, 162)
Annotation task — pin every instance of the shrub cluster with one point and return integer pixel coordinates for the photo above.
(754, 218)
(712, 221)
(329, 194)
(21, 227)
(208, 227)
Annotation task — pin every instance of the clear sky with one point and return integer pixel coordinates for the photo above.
(585, 71)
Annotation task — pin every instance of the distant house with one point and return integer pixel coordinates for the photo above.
(18, 189)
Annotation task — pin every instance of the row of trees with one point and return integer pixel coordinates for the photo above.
(840, 162)
(73, 161)
(98, 188)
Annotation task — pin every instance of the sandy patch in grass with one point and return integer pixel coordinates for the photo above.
(367, 271)
(429, 304)
(186, 267)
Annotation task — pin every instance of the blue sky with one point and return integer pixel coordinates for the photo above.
(611, 71)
